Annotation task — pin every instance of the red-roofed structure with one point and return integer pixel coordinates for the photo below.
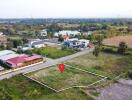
(23, 60)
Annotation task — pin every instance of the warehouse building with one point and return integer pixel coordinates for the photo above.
(13, 60)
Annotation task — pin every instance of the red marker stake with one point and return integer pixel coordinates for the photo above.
(61, 67)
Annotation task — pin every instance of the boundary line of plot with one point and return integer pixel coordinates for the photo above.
(103, 78)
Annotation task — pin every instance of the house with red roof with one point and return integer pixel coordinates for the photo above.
(24, 60)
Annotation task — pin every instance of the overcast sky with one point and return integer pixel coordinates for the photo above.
(65, 8)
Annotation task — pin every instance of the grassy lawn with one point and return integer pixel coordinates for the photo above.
(70, 77)
(53, 52)
(20, 88)
(109, 65)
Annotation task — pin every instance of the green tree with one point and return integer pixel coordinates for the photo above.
(2, 46)
(60, 39)
(122, 48)
(99, 39)
(96, 51)
(17, 43)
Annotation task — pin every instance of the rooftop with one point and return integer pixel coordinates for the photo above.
(6, 52)
(20, 59)
(8, 56)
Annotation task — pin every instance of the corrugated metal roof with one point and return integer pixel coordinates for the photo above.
(6, 52)
(32, 57)
(9, 56)
(20, 59)
(17, 60)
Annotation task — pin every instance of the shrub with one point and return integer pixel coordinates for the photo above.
(129, 74)
(122, 48)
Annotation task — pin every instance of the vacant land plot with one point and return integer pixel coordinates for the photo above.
(109, 65)
(70, 77)
(21, 88)
(53, 52)
(114, 41)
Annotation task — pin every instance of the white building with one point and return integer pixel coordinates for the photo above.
(43, 33)
(67, 32)
(6, 52)
(85, 42)
(36, 43)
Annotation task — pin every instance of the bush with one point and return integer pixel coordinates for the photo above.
(108, 50)
(97, 67)
(129, 74)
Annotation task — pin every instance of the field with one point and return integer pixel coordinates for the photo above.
(70, 77)
(53, 52)
(114, 41)
(109, 65)
(20, 88)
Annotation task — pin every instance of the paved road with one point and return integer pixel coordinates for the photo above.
(116, 92)
(48, 63)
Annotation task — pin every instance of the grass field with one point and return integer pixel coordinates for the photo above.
(53, 52)
(70, 77)
(20, 88)
(109, 65)
(114, 41)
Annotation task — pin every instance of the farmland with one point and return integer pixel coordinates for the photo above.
(109, 65)
(114, 41)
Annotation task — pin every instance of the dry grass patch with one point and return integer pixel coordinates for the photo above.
(114, 41)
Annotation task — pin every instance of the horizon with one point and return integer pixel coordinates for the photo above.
(72, 18)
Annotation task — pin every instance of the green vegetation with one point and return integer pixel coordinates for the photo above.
(70, 77)
(106, 64)
(20, 88)
(53, 52)
(122, 48)
(114, 50)
(96, 51)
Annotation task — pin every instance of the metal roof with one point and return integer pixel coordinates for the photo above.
(8, 56)
(6, 52)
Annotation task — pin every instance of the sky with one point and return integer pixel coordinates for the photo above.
(65, 8)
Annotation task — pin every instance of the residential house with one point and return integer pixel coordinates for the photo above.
(74, 42)
(36, 43)
(43, 33)
(67, 33)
